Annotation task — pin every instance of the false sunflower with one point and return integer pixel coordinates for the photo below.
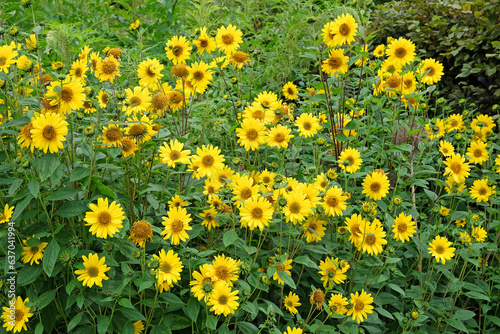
(94, 272)
(176, 225)
(48, 132)
(105, 219)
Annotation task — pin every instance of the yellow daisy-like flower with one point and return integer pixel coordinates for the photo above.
(24, 137)
(103, 98)
(223, 300)
(482, 121)
(354, 225)
(290, 91)
(176, 225)
(308, 125)
(479, 233)
(178, 49)
(294, 330)
(373, 238)
(379, 51)
(321, 182)
(251, 134)
(457, 168)
(446, 148)
(138, 325)
(78, 69)
(361, 306)
(443, 211)
(224, 268)
(209, 218)
(112, 135)
(140, 131)
(256, 212)
(441, 250)
(337, 304)
(94, 271)
(228, 39)
(331, 272)
(311, 192)
(7, 55)
(400, 52)
(199, 76)
(257, 111)
(239, 59)
(292, 302)
(21, 315)
(209, 160)
(6, 214)
(268, 100)
(454, 122)
(403, 228)
(480, 190)
(134, 26)
(336, 62)
(328, 35)
(174, 153)
(314, 229)
(477, 152)
(24, 63)
(376, 186)
(286, 266)
(34, 253)
(334, 202)
(108, 69)
(344, 29)
(433, 71)
(176, 202)
(204, 42)
(465, 238)
(297, 207)
(279, 136)
(176, 100)
(31, 42)
(138, 100)
(140, 232)
(94, 61)
(408, 83)
(149, 73)
(69, 96)
(104, 219)
(169, 268)
(203, 285)
(350, 160)
(48, 132)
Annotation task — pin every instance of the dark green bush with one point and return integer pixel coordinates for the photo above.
(463, 35)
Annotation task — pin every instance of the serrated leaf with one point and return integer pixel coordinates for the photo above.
(72, 208)
(64, 193)
(287, 279)
(34, 188)
(75, 321)
(47, 166)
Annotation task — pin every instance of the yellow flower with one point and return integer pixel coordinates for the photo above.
(138, 325)
(204, 42)
(268, 100)
(379, 51)
(239, 59)
(104, 219)
(454, 122)
(224, 269)
(199, 76)
(444, 211)
(314, 229)
(68, 96)
(223, 300)
(338, 304)
(403, 228)
(446, 148)
(6, 214)
(176, 225)
(336, 62)
(251, 134)
(34, 253)
(372, 240)
(140, 232)
(176, 202)
(457, 168)
(7, 55)
(361, 306)
(465, 238)
(355, 224)
(308, 125)
(209, 218)
(297, 207)
(433, 70)
(178, 49)
(400, 52)
(477, 152)
(103, 98)
(292, 302)
(290, 91)
(228, 39)
(480, 190)
(138, 100)
(31, 42)
(344, 29)
(21, 315)
(94, 271)
(350, 160)
(209, 160)
(134, 26)
(149, 73)
(108, 69)
(441, 250)
(256, 212)
(169, 268)
(376, 186)
(334, 202)
(279, 136)
(48, 132)
(140, 131)
(293, 330)
(112, 135)
(78, 69)
(286, 266)
(331, 272)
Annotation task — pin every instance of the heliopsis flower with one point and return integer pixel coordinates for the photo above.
(24, 63)
(477, 152)
(108, 69)
(257, 111)
(279, 136)
(297, 207)
(400, 52)
(286, 266)
(344, 28)
(376, 185)
(203, 285)
(336, 62)
(220, 62)
(454, 122)
(350, 160)
(138, 325)
(103, 98)
(140, 232)
(208, 160)
(434, 71)
(465, 238)
(256, 212)
(176, 224)
(317, 297)
(199, 76)
(379, 51)
(441, 250)
(140, 131)
(149, 73)
(169, 268)
(204, 42)
(290, 91)
(243, 188)
(176, 202)
(112, 135)
(223, 300)
(307, 124)
(24, 137)
(134, 26)
(460, 222)
(94, 271)
(69, 97)
(239, 59)
(268, 100)
(228, 39)
(334, 202)
(21, 315)
(355, 224)
(104, 219)
(310, 190)
(294, 330)
(176, 100)
(178, 49)
(480, 190)
(372, 240)
(34, 253)
(321, 182)
(337, 304)
(292, 302)
(314, 229)
(479, 233)
(48, 132)
(251, 134)
(403, 228)
(224, 269)
(7, 55)
(446, 148)
(408, 83)
(482, 121)
(138, 100)
(6, 214)
(361, 306)
(328, 35)
(457, 168)
(209, 218)
(31, 42)
(78, 69)
(443, 211)
(331, 272)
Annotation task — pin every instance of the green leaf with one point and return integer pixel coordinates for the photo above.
(179, 322)
(29, 274)
(47, 166)
(464, 315)
(132, 314)
(50, 257)
(305, 260)
(287, 279)
(251, 309)
(432, 195)
(20, 206)
(64, 193)
(79, 173)
(193, 308)
(126, 303)
(229, 238)
(247, 327)
(385, 313)
(103, 322)
(75, 321)
(34, 188)
(458, 324)
(105, 190)
(14, 186)
(39, 329)
(45, 299)
(16, 122)
(72, 208)
(352, 125)
(476, 295)
(211, 322)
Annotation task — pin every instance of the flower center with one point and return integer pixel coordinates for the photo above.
(177, 50)
(19, 315)
(456, 167)
(294, 207)
(108, 66)
(135, 101)
(359, 305)
(279, 138)
(66, 94)
(478, 153)
(350, 160)
(34, 250)
(334, 62)
(105, 98)
(252, 134)
(370, 240)
(375, 186)
(307, 126)
(113, 134)
(344, 29)
(482, 191)
(208, 160)
(240, 57)
(177, 226)
(439, 249)
(198, 75)
(165, 267)
(227, 39)
(207, 286)
(290, 91)
(332, 201)
(78, 72)
(150, 72)
(159, 101)
(136, 130)
(104, 218)
(408, 83)
(222, 273)
(142, 230)
(93, 271)
(393, 82)
(431, 69)
(257, 213)
(402, 227)
(223, 300)
(48, 132)
(3, 60)
(258, 114)
(174, 155)
(203, 43)
(245, 193)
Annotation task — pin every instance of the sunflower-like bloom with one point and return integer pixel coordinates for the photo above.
(286, 266)
(257, 111)
(203, 285)
(297, 207)
(174, 153)
(34, 253)
(481, 191)
(24, 137)
(104, 219)
(431, 71)
(441, 250)
(379, 51)
(336, 62)
(290, 91)
(94, 271)
(21, 312)
(376, 185)
(31, 42)
(69, 96)
(403, 228)
(199, 76)
(108, 69)
(355, 224)
(446, 148)
(373, 238)
(337, 304)
(477, 152)
(224, 269)
(334, 202)
(251, 134)
(279, 136)
(361, 306)
(223, 300)
(292, 302)
(344, 29)
(140, 232)
(204, 42)
(400, 52)
(482, 121)
(239, 59)
(176, 225)
(103, 98)
(350, 160)
(149, 73)
(228, 39)
(408, 83)
(308, 125)
(169, 268)
(331, 272)
(314, 229)
(209, 160)
(112, 135)
(256, 212)
(138, 100)
(209, 218)
(268, 100)
(7, 55)
(140, 131)
(479, 233)
(78, 69)
(6, 214)
(457, 168)
(294, 330)
(48, 132)
(178, 49)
